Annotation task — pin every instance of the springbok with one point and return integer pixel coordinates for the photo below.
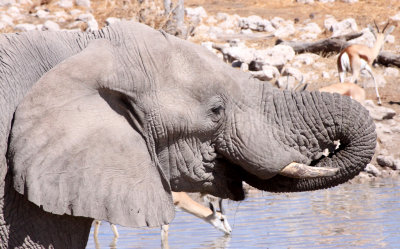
(349, 89)
(183, 201)
(357, 57)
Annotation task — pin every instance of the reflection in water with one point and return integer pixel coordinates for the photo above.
(348, 216)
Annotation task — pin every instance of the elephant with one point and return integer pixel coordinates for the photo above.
(105, 124)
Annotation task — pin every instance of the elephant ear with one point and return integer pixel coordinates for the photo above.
(72, 152)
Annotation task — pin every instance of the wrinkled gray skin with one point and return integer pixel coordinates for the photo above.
(117, 123)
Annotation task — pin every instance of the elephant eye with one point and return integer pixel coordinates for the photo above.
(217, 112)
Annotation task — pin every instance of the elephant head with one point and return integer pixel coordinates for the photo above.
(109, 132)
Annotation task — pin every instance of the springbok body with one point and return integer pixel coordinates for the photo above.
(349, 89)
(183, 201)
(357, 57)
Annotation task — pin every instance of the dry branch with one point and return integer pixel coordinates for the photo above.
(323, 47)
(331, 45)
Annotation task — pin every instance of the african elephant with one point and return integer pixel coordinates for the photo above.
(104, 125)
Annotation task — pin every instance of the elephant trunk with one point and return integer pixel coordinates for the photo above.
(307, 124)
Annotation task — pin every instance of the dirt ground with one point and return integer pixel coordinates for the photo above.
(364, 12)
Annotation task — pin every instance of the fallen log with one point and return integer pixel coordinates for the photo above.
(334, 45)
(323, 47)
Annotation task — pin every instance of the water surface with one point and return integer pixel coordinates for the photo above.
(348, 216)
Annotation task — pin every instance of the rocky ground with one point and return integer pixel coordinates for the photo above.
(243, 34)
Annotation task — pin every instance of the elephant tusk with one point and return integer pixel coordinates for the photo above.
(298, 170)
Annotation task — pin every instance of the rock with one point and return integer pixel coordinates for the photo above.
(325, 75)
(14, 12)
(83, 3)
(390, 39)
(6, 2)
(311, 27)
(270, 71)
(42, 14)
(389, 162)
(326, 1)
(395, 17)
(231, 22)
(344, 27)
(112, 20)
(89, 20)
(367, 38)
(222, 16)
(65, 3)
(25, 27)
(391, 72)
(305, 59)
(305, 1)
(196, 15)
(208, 45)
(291, 71)
(255, 23)
(371, 169)
(276, 56)
(285, 31)
(329, 22)
(244, 67)
(286, 82)
(379, 112)
(242, 53)
(7, 20)
(277, 22)
(50, 25)
(350, 1)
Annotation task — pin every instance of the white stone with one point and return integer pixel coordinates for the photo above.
(25, 27)
(350, 1)
(83, 3)
(50, 25)
(92, 25)
(242, 54)
(291, 71)
(270, 71)
(311, 27)
(276, 56)
(65, 3)
(329, 22)
(367, 38)
(211, 20)
(395, 17)
(111, 20)
(285, 31)
(221, 16)
(75, 12)
(286, 82)
(41, 14)
(391, 72)
(305, 1)
(344, 27)
(196, 15)
(6, 2)
(14, 12)
(6, 20)
(208, 45)
(277, 22)
(390, 39)
(325, 75)
(86, 17)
